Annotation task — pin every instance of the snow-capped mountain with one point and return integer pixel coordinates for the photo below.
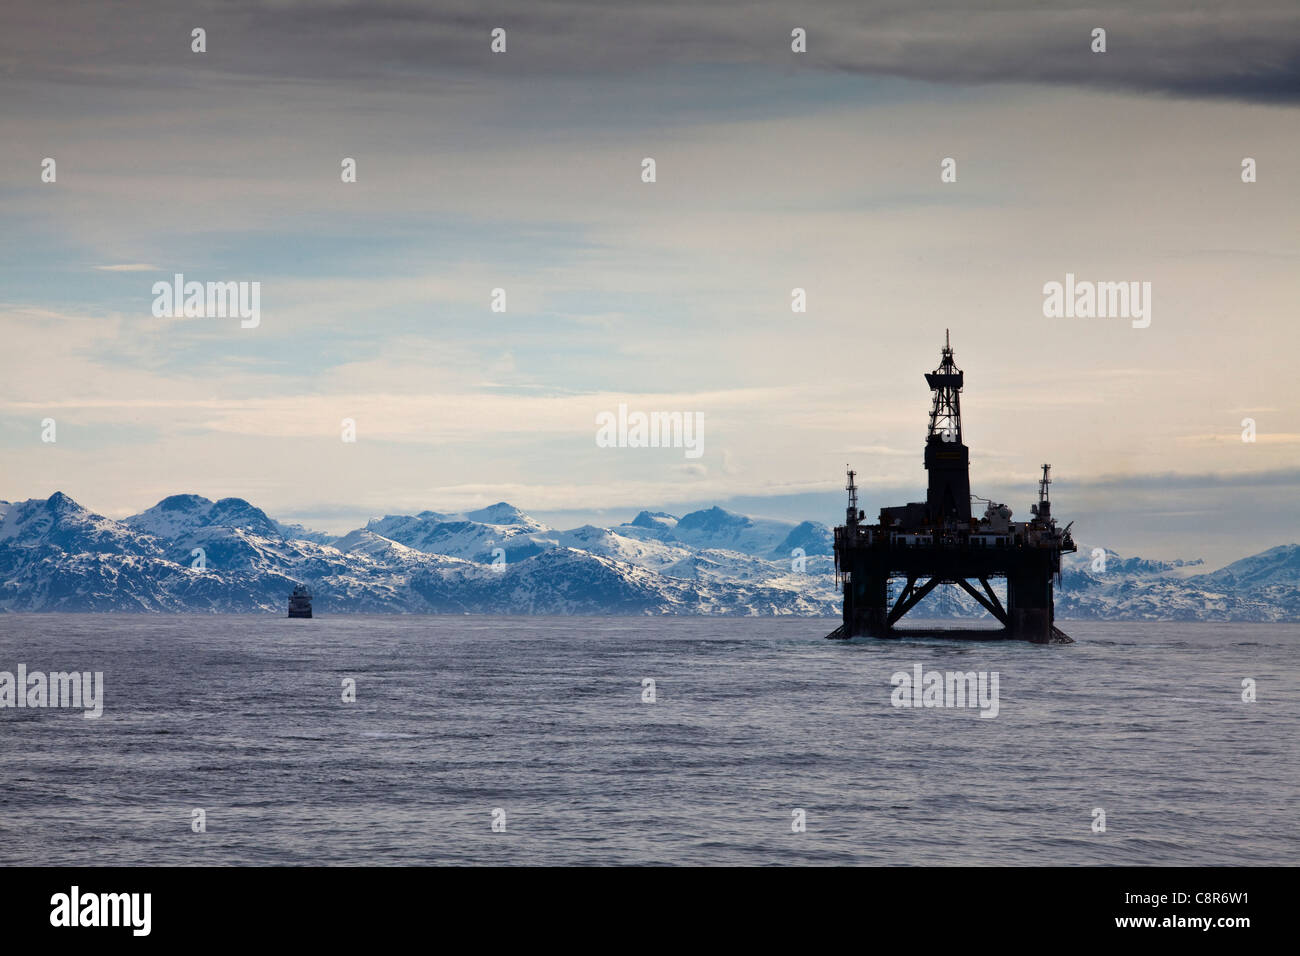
(654, 521)
(721, 530)
(178, 515)
(60, 525)
(502, 514)
(724, 530)
(475, 536)
(810, 537)
(1276, 566)
(189, 553)
(296, 532)
(1263, 587)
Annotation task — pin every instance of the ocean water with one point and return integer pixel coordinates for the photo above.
(543, 718)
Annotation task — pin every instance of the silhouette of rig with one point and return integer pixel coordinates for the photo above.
(937, 541)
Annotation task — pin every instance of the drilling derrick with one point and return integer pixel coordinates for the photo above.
(939, 541)
(947, 459)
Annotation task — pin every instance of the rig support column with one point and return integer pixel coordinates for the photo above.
(1030, 609)
(866, 604)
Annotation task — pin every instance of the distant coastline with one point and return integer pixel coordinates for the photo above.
(189, 554)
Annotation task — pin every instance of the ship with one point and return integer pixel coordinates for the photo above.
(939, 541)
(300, 601)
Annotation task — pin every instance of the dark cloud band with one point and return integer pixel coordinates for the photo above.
(1249, 50)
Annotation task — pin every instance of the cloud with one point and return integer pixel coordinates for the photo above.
(129, 267)
(1270, 478)
(1263, 438)
(522, 171)
(1248, 52)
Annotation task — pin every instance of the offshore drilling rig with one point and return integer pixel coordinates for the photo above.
(938, 541)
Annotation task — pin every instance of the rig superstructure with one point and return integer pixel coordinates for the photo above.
(939, 541)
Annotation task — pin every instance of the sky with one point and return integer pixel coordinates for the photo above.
(775, 170)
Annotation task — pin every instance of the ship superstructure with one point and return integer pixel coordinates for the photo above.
(300, 601)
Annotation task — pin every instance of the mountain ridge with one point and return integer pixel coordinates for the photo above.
(189, 553)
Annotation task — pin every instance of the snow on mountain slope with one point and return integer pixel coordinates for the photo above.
(57, 555)
(647, 554)
(506, 515)
(296, 532)
(569, 581)
(649, 526)
(1263, 587)
(1276, 566)
(60, 523)
(810, 536)
(183, 514)
(362, 541)
(1084, 558)
(475, 536)
(726, 530)
(719, 529)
